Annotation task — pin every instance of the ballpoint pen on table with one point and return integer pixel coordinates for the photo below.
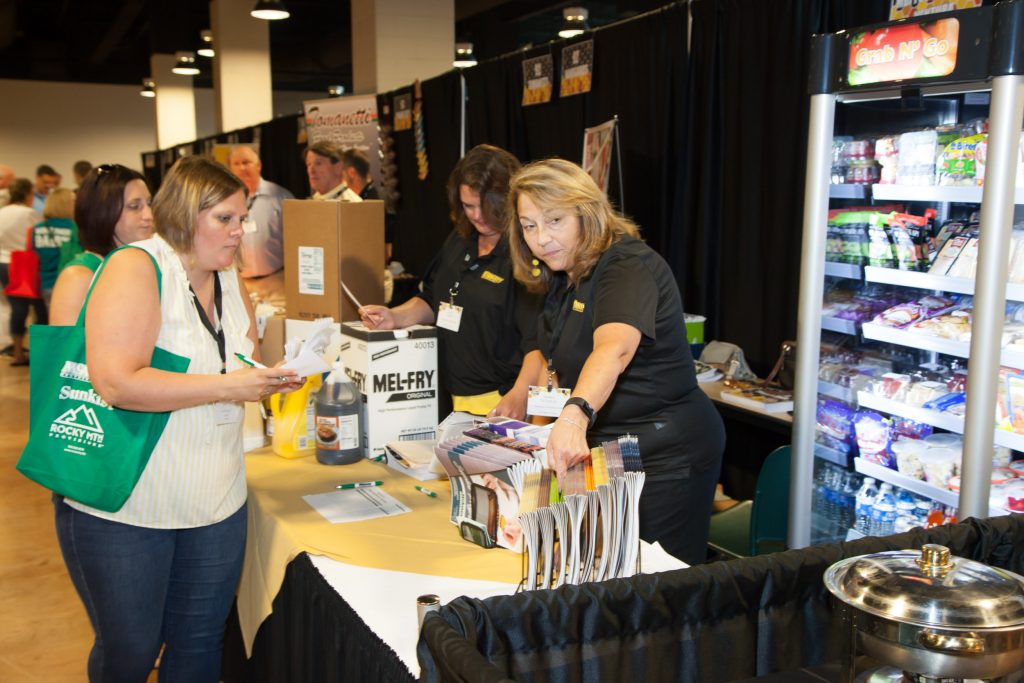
(426, 491)
(359, 485)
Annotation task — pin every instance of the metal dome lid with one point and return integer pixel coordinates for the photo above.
(929, 588)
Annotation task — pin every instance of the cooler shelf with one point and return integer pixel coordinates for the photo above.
(910, 278)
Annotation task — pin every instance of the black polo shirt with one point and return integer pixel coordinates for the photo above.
(499, 318)
(658, 391)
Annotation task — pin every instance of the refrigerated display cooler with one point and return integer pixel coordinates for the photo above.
(914, 141)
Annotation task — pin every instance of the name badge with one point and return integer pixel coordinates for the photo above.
(228, 413)
(540, 401)
(249, 226)
(449, 317)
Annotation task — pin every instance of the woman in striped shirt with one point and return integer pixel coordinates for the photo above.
(162, 570)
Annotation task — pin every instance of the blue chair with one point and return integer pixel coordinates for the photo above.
(758, 526)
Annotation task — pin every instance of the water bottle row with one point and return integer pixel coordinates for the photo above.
(843, 500)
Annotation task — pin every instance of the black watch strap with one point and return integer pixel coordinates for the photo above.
(585, 406)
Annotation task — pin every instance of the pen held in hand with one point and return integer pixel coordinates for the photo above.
(249, 361)
(425, 491)
(359, 485)
(348, 292)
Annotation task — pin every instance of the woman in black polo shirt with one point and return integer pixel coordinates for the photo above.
(486, 321)
(612, 331)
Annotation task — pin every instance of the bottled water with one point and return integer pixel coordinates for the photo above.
(865, 503)
(848, 497)
(883, 516)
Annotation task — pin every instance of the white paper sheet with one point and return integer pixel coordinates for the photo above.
(355, 505)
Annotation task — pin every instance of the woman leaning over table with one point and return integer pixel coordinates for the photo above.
(613, 332)
(111, 209)
(486, 322)
(162, 571)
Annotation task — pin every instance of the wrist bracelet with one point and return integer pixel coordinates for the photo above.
(573, 422)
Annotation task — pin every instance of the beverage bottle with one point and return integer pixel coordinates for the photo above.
(865, 503)
(906, 504)
(339, 429)
(294, 424)
(818, 499)
(849, 498)
(883, 516)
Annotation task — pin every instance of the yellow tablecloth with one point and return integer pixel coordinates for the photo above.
(282, 525)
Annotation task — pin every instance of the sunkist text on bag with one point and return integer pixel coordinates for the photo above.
(79, 446)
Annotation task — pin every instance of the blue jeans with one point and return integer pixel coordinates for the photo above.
(144, 588)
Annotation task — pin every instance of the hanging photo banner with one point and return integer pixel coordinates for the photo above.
(538, 76)
(577, 68)
(597, 152)
(348, 121)
(403, 111)
(904, 9)
(927, 49)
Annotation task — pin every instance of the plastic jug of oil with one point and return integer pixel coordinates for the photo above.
(294, 420)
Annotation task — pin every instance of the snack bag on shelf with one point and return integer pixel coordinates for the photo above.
(887, 156)
(966, 263)
(874, 438)
(891, 385)
(959, 164)
(835, 425)
(916, 155)
(880, 246)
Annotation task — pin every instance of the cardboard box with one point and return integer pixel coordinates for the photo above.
(272, 341)
(326, 242)
(396, 371)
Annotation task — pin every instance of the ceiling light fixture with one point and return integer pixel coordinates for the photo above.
(186, 65)
(335, 90)
(148, 88)
(464, 55)
(207, 46)
(575, 21)
(270, 10)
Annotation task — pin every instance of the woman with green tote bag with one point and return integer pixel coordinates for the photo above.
(162, 570)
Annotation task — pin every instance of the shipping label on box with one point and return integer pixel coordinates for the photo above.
(396, 372)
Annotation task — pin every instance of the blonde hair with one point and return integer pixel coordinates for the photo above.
(559, 184)
(60, 203)
(192, 185)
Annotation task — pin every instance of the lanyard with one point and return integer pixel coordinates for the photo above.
(216, 333)
(467, 267)
(557, 327)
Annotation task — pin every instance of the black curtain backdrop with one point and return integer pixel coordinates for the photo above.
(713, 146)
(744, 159)
(639, 75)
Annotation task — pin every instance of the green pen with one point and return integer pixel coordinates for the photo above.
(249, 361)
(426, 491)
(359, 485)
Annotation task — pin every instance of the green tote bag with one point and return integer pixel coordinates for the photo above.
(78, 445)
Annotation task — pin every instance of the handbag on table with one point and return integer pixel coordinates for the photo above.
(78, 445)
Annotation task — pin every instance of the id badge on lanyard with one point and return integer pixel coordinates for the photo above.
(449, 316)
(548, 401)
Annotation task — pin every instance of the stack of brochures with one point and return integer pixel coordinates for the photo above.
(585, 528)
(590, 529)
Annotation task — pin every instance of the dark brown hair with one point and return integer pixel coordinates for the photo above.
(99, 203)
(324, 148)
(487, 170)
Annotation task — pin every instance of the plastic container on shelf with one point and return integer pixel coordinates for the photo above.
(944, 440)
(339, 429)
(939, 465)
(908, 460)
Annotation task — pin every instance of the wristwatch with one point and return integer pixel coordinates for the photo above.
(585, 406)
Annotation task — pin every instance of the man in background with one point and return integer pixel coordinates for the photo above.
(262, 247)
(46, 180)
(80, 170)
(6, 178)
(357, 175)
(326, 173)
